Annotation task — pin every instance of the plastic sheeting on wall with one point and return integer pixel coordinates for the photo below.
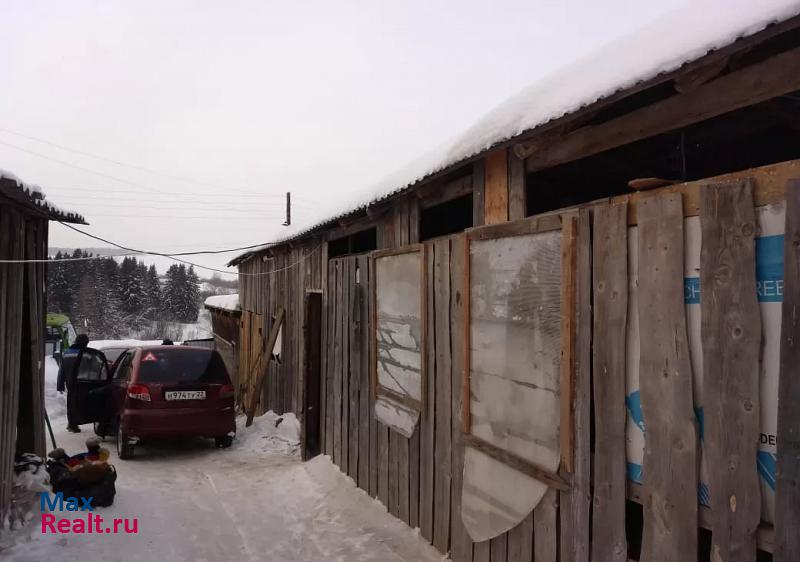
(515, 327)
(769, 279)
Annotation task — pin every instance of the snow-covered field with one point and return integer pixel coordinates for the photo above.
(254, 501)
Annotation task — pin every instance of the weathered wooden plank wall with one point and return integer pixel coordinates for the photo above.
(12, 246)
(420, 479)
(268, 281)
(22, 316)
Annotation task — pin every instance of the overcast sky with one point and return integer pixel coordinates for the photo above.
(250, 99)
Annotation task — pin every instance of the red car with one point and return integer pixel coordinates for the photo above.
(157, 391)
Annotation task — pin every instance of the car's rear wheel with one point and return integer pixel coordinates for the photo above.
(224, 441)
(124, 447)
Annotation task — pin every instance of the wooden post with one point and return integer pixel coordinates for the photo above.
(517, 197)
(496, 187)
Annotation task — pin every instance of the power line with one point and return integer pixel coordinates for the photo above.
(185, 179)
(162, 193)
(193, 253)
(103, 190)
(250, 210)
(187, 217)
(78, 199)
(177, 259)
(95, 172)
(86, 258)
(189, 205)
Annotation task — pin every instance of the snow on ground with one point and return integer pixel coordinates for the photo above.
(105, 344)
(254, 501)
(54, 401)
(269, 433)
(198, 330)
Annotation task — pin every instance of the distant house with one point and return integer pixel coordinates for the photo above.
(24, 217)
(540, 368)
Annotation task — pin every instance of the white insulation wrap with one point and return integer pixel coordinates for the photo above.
(769, 278)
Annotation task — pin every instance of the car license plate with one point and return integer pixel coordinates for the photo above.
(185, 395)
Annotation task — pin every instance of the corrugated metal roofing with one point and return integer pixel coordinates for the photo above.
(680, 36)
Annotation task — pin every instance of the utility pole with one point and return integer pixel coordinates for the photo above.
(288, 209)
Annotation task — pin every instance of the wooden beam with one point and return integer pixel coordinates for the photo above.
(773, 77)
(770, 187)
(496, 186)
(516, 462)
(516, 187)
(434, 194)
(568, 265)
(695, 78)
(478, 192)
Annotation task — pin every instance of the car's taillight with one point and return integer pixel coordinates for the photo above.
(226, 391)
(139, 392)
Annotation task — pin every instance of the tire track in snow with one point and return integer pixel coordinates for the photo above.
(230, 515)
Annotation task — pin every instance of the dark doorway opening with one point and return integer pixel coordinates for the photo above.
(312, 331)
(761, 134)
(356, 243)
(445, 218)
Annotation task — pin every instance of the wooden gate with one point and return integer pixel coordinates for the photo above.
(251, 356)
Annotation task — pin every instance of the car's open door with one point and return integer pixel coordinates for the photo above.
(91, 387)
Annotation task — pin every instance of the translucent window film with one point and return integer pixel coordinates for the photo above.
(515, 329)
(398, 293)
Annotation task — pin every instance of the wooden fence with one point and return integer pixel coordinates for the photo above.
(602, 516)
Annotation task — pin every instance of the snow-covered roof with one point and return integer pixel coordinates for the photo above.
(680, 36)
(223, 302)
(33, 197)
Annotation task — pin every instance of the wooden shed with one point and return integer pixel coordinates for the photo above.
(551, 310)
(225, 317)
(24, 216)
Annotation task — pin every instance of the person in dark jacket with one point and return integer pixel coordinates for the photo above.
(67, 373)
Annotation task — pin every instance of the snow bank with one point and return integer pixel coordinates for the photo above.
(224, 302)
(684, 34)
(270, 433)
(35, 479)
(54, 402)
(106, 344)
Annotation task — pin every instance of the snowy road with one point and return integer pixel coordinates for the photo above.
(255, 501)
